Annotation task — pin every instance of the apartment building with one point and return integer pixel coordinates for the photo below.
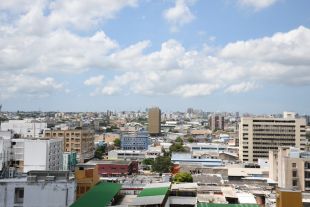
(290, 167)
(216, 122)
(43, 154)
(154, 121)
(80, 141)
(259, 135)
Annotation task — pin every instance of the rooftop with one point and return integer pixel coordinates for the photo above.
(98, 196)
(225, 205)
(153, 191)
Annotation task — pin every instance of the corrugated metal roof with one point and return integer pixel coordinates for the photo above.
(153, 191)
(149, 200)
(98, 196)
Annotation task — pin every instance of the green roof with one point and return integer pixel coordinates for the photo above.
(98, 196)
(225, 205)
(153, 191)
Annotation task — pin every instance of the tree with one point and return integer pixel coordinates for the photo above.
(162, 164)
(183, 177)
(99, 151)
(117, 142)
(179, 140)
(190, 139)
(177, 147)
(148, 161)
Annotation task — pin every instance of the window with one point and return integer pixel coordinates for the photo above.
(19, 195)
(294, 183)
(293, 164)
(294, 173)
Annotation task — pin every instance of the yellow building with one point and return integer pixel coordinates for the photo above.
(288, 198)
(86, 177)
(80, 141)
(154, 121)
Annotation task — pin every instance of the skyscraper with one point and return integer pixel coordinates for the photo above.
(154, 121)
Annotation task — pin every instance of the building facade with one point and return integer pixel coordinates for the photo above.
(216, 122)
(80, 141)
(259, 135)
(135, 141)
(154, 121)
(26, 128)
(43, 154)
(42, 188)
(290, 167)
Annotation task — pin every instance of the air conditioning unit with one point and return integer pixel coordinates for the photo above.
(50, 178)
(32, 178)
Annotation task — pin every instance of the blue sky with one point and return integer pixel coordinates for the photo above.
(224, 55)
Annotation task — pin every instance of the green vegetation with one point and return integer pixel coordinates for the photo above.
(183, 177)
(179, 140)
(117, 143)
(177, 147)
(162, 164)
(99, 152)
(148, 161)
(190, 139)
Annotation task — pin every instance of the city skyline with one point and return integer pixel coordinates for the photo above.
(241, 55)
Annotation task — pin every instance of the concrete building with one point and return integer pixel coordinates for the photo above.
(80, 141)
(43, 188)
(26, 128)
(43, 154)
(5, 148)
(18, 146)
(216, 122)
(259, 135)
(154, 121)
(126, 155)
(287, 198)
(188, 158)
(135, 141)
(69, 161)
(86, 177)
(290, 167)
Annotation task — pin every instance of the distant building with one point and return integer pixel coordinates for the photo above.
(80, 141)
(69, 161)
(290, 167)
(126, 155)
(154, 121)
(259, 135)
(39, 188)
(43, 154)
(135, 141)
(26, 128)
(189, 159)
(216, 122)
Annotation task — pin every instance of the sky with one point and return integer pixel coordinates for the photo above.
(97, 55)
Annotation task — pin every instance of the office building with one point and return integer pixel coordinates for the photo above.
(135, 141)
(69, 161)
(290, 167)
(80, 141)
(154, 121)
(25, 128)
(259, 135)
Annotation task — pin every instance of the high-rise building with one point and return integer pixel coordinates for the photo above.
(259, 135)
(290, 167)
(216, 122)
(80, 141)
(154, 121)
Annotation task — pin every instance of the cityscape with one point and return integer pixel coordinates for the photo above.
(154, 103)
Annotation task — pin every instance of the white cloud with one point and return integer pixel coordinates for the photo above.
(25, 85)
(241, 87)
(179, 15)
(257, 4)
(190, 90)
(94, 81)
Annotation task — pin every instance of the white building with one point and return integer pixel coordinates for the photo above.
(5, 144)
(43, 154)
(52, 189)
(126, 155)
(26, 128)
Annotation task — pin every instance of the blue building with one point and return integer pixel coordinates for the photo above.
(137, 141)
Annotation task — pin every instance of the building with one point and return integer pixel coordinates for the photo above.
(287, 198)
(126, 155)
(26, 128)
(69, 161)
(38, 188)
(43, 154)
(216, 122)
(259, 135)
(135, 141)
(190, 159)
(115, 168)
(5, 148)
(290, 167)
(86, 177)
(80, 141)
(154, 121)
(18, 146)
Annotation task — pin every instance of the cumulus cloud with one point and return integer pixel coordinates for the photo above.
(94, 81)
(241, 87)
(257, 4)
(179, 15)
